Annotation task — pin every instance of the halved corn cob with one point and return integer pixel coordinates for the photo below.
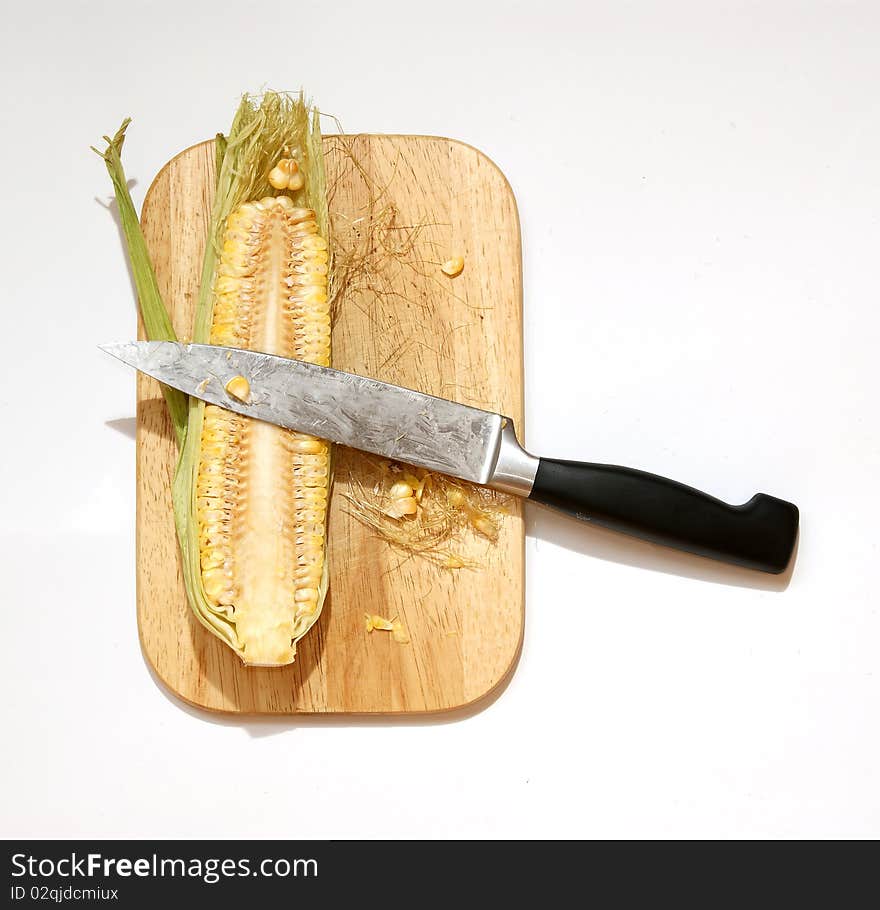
(262, 490)
(250, 499)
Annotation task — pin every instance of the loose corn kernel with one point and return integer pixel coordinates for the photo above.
(453, 267)
(400, 507)
(379, 622)
(400, 490)
(453, 561)
(485, 526)
(238, 387)
(418, 485)
(394, 626)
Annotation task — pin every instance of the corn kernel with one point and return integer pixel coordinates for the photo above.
(238, 387)
(401, 490)
(453, 267)
(286, 175)
(401, 507)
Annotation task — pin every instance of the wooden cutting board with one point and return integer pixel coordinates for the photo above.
(409, 324)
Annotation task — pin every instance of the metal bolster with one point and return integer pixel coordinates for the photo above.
(515, 469)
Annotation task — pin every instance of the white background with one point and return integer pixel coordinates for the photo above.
(699, 189)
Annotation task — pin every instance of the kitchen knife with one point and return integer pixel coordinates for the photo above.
(474, 445)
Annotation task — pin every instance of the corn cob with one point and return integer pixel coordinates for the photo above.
(251, 498)
(261, 490)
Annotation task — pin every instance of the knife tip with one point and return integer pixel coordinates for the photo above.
(121, 350)
(138, 353)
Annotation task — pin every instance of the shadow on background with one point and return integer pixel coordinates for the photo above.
(541, 525)
(127, 426)
(259, 726)
(544, 524)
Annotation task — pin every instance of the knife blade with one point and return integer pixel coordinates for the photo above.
(347, 409)
(474, 445)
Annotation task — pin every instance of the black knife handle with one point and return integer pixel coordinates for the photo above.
(760, 534)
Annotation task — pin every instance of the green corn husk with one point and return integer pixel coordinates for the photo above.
(152, 308)
(262, 128)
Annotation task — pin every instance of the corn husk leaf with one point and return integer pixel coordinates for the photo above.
(157, 322)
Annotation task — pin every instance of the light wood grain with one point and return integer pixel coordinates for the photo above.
(458, 338)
